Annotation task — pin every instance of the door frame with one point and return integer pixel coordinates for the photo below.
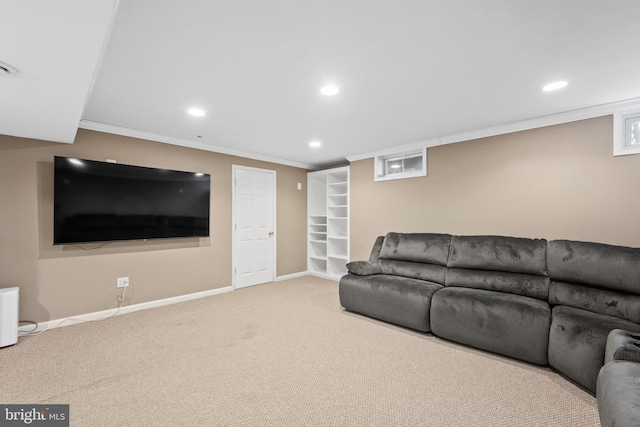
(234, 169)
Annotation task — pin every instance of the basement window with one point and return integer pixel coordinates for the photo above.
(408, 164)
(627, 133)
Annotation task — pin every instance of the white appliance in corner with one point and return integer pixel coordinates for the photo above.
(8, 316)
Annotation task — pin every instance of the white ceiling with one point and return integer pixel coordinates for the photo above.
(409, 71)
(55, 46)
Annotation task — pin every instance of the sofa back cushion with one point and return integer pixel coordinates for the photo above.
(495, 263)
(375, 251)
(595, 264)
(417, 255)
(428, 248)
(497, 253)
(527, 285)
(596, 300)
(415, 270)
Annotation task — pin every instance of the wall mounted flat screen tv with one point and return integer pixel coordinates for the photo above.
(99, 202)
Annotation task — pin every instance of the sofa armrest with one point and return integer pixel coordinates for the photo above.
(618, 393)
(622, 345)
(363, 268)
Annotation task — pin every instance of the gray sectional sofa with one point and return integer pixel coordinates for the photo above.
(619, 381)
(544, 302)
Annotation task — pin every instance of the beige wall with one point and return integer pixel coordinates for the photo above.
(555, 182)
(61, 281)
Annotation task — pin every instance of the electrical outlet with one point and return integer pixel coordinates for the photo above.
(122, 282)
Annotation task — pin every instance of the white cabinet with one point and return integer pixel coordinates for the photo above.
(328, 222)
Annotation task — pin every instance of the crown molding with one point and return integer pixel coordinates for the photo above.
(134, 133)
(550, 120)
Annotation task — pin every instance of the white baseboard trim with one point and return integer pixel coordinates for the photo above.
(101, 315)
(24, 330)
(291, 276)
(335, 278)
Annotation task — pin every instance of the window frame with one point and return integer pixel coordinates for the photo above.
(381, 165)
(621, 133)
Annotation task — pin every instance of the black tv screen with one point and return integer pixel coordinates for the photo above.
(100, 201)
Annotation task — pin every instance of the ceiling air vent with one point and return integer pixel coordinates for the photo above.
(7, 70)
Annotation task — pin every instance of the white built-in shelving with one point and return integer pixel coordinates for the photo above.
(328, 222)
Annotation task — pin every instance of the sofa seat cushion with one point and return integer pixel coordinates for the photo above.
(577, 342)
(618, 393)
(512, 325)
(400, 300)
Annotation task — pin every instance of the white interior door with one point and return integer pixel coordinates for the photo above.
(254, 226)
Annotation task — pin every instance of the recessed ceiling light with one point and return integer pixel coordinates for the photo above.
(196, 112)
(7, 70)
(329, 90)
(315, 144)
(554, 86)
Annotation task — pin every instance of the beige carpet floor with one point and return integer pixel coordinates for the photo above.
(280, 354)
